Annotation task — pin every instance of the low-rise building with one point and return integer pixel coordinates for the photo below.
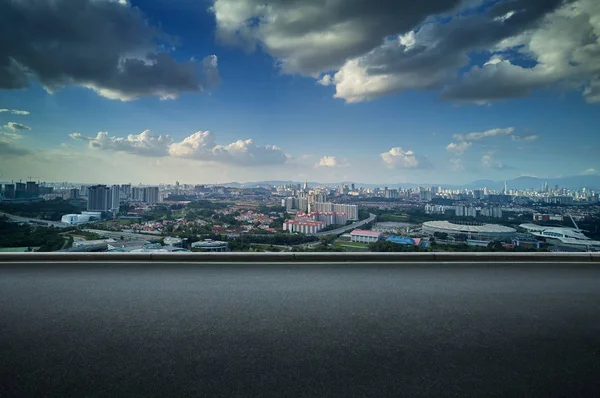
(365, 236)
(209, 245)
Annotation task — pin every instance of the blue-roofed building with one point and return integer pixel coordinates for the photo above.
(402, 240)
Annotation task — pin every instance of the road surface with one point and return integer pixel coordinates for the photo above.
(38, 221)
(126, 235)
(311, 330)
(347, 228)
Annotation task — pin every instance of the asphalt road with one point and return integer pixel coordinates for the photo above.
(299, 330)
(347, 228)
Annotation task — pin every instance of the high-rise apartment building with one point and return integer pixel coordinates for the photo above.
(137, 194)
(32, 188)
(98, 198)
(73, 193)
(126, 191)
(150, 195)
(9, 191)
(115, 198)
(21, 190)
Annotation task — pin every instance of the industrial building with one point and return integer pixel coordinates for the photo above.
(472, 229)
(209, 245)
(365, 236)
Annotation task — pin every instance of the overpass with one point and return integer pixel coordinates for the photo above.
(347, 228)
(300, 324)
(37, 221)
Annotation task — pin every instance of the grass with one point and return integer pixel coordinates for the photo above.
(351, 244)
(12, 249)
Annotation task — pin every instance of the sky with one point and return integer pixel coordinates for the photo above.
(386, 91)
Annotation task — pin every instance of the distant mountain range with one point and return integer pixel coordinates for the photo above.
(572, 182)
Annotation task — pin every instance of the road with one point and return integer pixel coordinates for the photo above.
(126, 235)
(311, 330)
(347, 228)
(56, 224)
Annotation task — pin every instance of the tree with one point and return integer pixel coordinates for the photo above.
(328, 240)
(441, 235)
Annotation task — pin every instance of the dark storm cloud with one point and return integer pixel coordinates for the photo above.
(100, 44)
(311, 36)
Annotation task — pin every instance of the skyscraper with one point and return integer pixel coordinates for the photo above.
(505, 188)
(151, 195)
(98, 198)
(32, 188)
(126, 190)
(9, 191)
(115, 198)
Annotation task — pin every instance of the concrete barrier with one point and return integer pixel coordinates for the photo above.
(285, 257)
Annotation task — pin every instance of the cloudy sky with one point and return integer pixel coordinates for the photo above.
(200, 91)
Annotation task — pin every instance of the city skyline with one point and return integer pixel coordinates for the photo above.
(222, 91)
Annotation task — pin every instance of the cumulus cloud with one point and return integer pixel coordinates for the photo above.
(369, 49)
(332, 161)
(397, 158)
(143, 144)
(458, 148)
(202, 146)
(16, 126)
(309, 37)
(14, 111)
(526, 138)
(107, 46)
(464, 141)
(479, 136)
(565, 47)
(488, 160)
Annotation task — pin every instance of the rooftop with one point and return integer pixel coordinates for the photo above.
(364, 232)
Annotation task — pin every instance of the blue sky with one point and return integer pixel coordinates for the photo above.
(396, 103)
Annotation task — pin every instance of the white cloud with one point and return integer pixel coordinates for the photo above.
(399, 159)
(369, 49)
(590, 171)
(17, 126)
(143, 144)
(565, 48)
(464, 141)
(527, 138)
(488, 160)
(199, 146)
(202, 146)
(479, 136)
(332, 161)
(14, 111)
(9, 136)
(458, 148)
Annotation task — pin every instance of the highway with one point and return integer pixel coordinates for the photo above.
(347, 228)
(126, 235)
(320, 329)
(47, 223)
